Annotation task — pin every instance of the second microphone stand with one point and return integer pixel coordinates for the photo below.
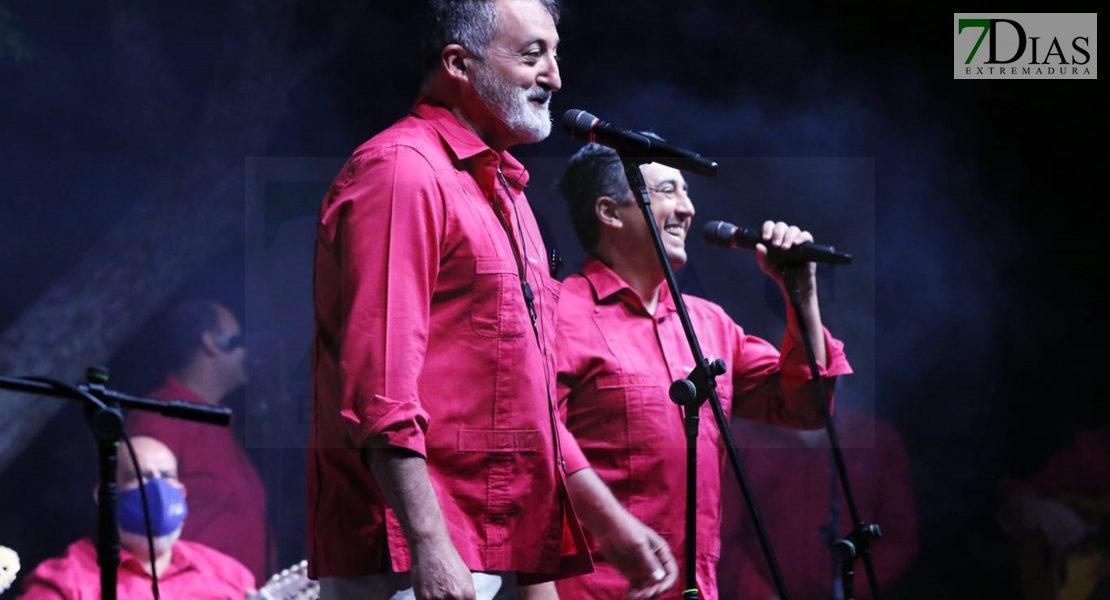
(858, 541)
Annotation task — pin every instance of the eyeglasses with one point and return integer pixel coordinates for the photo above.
(228, 342)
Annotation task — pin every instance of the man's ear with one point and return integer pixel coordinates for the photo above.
(606, 210)
(208, 343)
(454, 60)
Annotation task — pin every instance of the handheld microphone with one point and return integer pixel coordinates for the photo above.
(583, 126)
(720, 234)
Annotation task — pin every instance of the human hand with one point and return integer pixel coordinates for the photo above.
(1061, 526)
(783, 237)
(1027, 515)
(438, 573)
(641, 555)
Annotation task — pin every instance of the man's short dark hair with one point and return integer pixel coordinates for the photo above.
(183, 327)
(594, 171)
(469, 23)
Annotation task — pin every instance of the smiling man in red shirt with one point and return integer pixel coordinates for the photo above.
(438, 466)
(621, 344)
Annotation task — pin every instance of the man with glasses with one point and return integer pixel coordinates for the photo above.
(620, 344)
(204, 344)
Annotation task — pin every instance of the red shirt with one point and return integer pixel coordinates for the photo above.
(195, 572)
(1081, 468)
(227, 502)
(792, 487)
(424, 342)
(616, 363)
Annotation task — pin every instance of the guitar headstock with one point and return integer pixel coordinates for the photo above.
(9, 566)
(290, 584)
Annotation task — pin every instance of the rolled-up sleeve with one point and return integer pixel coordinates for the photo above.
(566, 363)
(778, 387)
(381, 232)
(574, 459)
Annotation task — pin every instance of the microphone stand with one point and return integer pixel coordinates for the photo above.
(690, 393)
(102, 408)
(858, 541)
(831, 530)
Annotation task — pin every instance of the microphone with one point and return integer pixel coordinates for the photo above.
(583, 126)
(720, 234)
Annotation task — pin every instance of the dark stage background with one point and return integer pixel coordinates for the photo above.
(153, 149)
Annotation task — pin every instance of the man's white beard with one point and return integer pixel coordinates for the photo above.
(511, 104)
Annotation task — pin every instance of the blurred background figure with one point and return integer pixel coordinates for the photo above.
(794, 480)
(1060, 518)
(206, 353)
(185, 569)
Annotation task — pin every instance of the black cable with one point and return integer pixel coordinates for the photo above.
(146, 516)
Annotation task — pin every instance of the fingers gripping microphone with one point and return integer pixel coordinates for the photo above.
(726, 235)
(583, 126)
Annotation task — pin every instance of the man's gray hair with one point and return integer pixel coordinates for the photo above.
(471, 24)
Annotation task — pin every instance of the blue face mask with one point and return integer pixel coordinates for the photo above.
(167, 508)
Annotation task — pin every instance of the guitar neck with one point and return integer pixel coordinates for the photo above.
(291, 584)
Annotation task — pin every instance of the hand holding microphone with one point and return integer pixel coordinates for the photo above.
(799, 249)
(778, 246)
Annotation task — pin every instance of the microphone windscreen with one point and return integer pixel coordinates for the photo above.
(578, 124)
(719, 233)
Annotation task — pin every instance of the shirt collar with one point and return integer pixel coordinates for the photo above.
(176, 389)
(607, 284)
(465, 145)
(181, 560)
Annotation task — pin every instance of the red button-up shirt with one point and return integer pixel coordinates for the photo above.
(195, 572)
(616, 362)
(424, 342)
(227, 501)
(1082, 468)
(792, 484)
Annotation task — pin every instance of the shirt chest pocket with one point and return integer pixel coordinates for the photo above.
(497, 301)
(648, 413)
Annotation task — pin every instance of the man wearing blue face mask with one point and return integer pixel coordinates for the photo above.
(185, 569)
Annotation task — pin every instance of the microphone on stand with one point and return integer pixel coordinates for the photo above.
(583, 126)
(721, 234)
